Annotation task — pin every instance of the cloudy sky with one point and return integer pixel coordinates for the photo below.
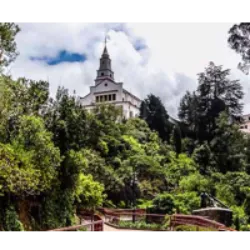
(162, 59)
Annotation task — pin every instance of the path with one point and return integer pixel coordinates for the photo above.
(109, 228)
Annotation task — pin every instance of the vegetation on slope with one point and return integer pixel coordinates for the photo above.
(56, 157)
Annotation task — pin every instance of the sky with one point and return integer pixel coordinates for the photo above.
(163, 59)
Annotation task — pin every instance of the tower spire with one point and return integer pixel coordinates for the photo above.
(105, 70)
(105, 51)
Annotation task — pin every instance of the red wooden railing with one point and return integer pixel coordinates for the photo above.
(98, 226)
(194, 220)
(113, 216)
(122, 211)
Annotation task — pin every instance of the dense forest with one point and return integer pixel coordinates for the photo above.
(57, 158)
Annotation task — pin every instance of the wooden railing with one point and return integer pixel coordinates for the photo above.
(180, 219)
(113, 216)
(89, 222)
(89, 226)
(122, 211)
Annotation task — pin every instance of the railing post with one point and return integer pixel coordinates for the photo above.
(92, 220)
(134, 215)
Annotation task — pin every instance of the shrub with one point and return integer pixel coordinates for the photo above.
(183, 203)
(163, 204)
(142, 225)
(82, 229)
(192, 228)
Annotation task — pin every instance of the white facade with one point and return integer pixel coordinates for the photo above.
(245, 126)
(106, 90)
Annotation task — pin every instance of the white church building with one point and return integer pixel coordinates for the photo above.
(107, 91)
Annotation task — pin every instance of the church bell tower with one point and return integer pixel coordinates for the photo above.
(104, 71)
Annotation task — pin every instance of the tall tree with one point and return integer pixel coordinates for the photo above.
(8, 50)
(239, 41)
(216, 92)
(67, 121)
(227, 146)
(154, 113)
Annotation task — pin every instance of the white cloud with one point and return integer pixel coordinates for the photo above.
(167, 67)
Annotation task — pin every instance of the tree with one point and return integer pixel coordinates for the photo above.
(176, 139)
(203, 157)
(163, 204)
(216, 93)
(20, 97)
(155, 114)
(188, 110)
(195, 183)
(89, 193)
(227, 146)
(184, 203)
(239, 41)
(219, 92)
(34, 142)
(178, 168)
(8, 50)
(101, 172)
(29, 164)
(67, 121)
(232, 187)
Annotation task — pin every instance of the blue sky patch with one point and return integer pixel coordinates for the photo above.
(139, 44)
(118, 27)
(62, 56)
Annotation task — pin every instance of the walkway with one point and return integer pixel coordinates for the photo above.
(109, 228)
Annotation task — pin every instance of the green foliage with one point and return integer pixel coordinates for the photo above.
(239, 217)
(11, 220)
(236, 186)
(195, 182)
(178, 168)
(122, 204)
(216, 93)
(239, 41)
(142, 225)
(82, 229)
(245, 227)
(163, 204)
(35, 141)
(89, 193)
(58, 156)
(192, 228)
(8, 51)
(58, 209)
(108, 204)
(186, 202)
(227, 146)
(144, 204)
(183, 203)
(28, 164)
(203, 156)
(155, 114)
(175, 139)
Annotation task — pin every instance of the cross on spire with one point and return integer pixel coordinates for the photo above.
(105, 39)
(105, 51)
